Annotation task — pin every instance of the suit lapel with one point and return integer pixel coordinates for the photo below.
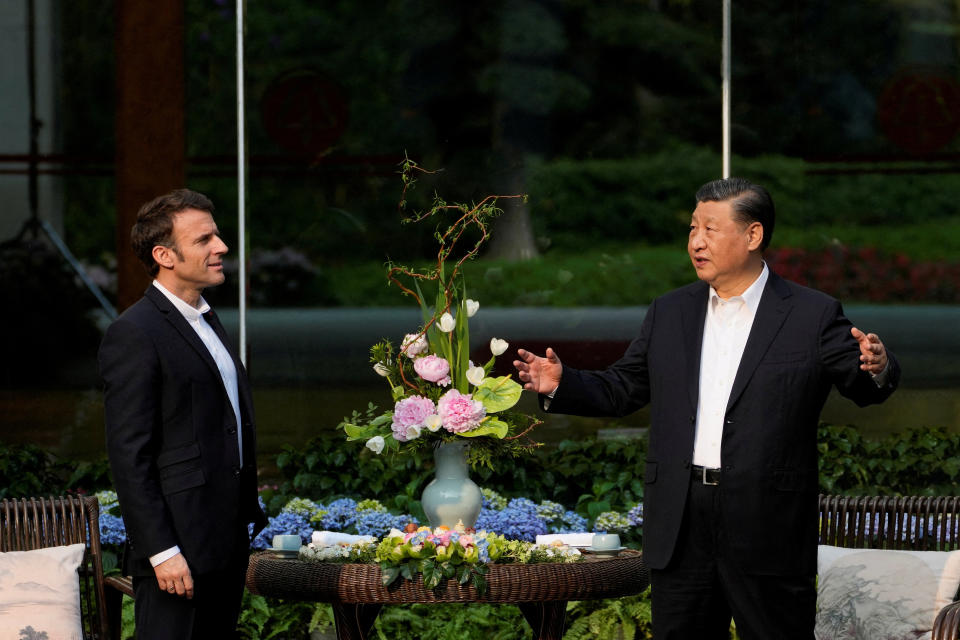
(176, 319)
(774, 308)
(693, 319)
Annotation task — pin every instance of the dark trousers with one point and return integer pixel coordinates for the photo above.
(211, 613)
(698, 592)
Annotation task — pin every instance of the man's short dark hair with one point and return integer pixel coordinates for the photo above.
(750, 202)
(154, 225)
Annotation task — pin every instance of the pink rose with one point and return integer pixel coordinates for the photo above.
(459, 412)
(410, 413)
(433, 369)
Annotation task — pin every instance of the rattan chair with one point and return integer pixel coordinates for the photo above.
(36, 523)
(926, 523)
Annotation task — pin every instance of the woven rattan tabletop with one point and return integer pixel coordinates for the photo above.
(591, 578)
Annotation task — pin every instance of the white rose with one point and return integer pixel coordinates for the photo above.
(498, 346)
(433, 422)
(472, 306)
(475, 375)
(447, 323)
(375, 444)
(381, 369)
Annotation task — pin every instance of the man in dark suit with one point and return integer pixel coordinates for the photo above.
(736, 369)
(180, 431)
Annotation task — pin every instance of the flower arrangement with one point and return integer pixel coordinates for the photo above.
(439, 393)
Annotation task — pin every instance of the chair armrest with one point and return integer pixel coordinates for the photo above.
(947, 624)
(114, 589)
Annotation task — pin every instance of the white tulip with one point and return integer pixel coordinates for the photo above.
(381, 369)
(433, 423)
(375, 444)
(498, 346)
(475, 375)
(413, 431)
(447, 323)
(472, 306)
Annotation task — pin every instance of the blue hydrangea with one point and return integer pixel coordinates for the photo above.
(112, 529)
(283, 523)
(569, 522)
(483, 549)
(518, 521)
(379, 523)
(635, 516)
(340, 514)
(611, 522)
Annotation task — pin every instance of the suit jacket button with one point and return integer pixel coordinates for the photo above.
(231, 430)
(236, 471)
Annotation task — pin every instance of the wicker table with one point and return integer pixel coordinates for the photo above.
(541, 591)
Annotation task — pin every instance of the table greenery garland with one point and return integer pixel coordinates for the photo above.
(439, 554)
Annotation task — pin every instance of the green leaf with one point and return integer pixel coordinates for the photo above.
(498, 394)
(360, 432)
(388, 575)
(489, 427)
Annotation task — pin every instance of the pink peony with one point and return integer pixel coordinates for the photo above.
(459, 412)
(410, 412)
(414, 344)
(433, 369)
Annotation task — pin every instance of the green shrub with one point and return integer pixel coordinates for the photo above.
(27, 471)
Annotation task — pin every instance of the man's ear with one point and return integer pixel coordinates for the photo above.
(754, 236)
(163, 256)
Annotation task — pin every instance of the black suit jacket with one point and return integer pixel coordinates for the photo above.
(172, 439)
(799, 346)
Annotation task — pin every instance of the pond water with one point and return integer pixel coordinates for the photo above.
(310, 368)
(70, 422)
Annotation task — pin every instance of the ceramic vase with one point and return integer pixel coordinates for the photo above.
(451, 496)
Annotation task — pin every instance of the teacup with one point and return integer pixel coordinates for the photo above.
(605, 541)
(287, 542)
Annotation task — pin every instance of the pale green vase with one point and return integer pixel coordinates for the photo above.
(452, 497)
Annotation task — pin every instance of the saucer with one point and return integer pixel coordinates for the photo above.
(605, 552)
(285, 554)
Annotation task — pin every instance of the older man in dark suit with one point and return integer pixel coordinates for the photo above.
(180, 431)
(736, 369)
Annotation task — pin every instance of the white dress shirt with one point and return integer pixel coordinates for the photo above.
(228, 373)
(725, 332)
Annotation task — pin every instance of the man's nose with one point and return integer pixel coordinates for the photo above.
(223, 248)
(696, 239)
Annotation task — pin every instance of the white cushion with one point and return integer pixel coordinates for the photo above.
(869, 594)
(41, 589)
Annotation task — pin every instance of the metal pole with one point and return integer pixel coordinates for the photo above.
(725, 74)
(34, 130)
(241, 189)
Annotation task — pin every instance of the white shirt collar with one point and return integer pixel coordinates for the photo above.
(192, 314)
(751, 297)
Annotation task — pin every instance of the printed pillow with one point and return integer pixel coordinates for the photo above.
(869, 593)
(40, 592)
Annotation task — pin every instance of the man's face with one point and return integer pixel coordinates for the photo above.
(198, 250)
(719, 247)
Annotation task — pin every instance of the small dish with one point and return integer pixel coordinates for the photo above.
(285, 554)
(605, 552)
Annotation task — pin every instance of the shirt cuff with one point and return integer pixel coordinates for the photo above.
(883, 377)
(547, 397)
(163, 556)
